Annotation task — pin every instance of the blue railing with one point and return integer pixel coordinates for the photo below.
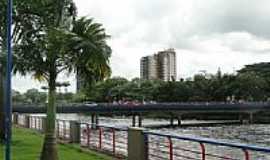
(171, 148)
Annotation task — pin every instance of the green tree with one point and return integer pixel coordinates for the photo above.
(200, 88)
(104, 90)
(250, 86)
(62, 45)
(78, 97)
(17, 97)
(35, 97)
(149, 89)
(225, 87)
(262, 69)
(174, 92)
(220, 86)
(41, 53)
(89, 42)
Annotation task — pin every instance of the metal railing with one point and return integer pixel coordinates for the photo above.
(36, 122)
(63, 129)
(103, 138)
(106, 138)
(171, 147)
(22, 120)
(113, 140)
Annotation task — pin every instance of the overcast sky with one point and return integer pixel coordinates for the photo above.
(207, 34)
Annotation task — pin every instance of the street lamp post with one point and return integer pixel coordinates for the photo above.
(8, 101)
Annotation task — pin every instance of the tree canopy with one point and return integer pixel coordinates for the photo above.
(247, 86)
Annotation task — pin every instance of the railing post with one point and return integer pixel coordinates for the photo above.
(171, 121)
(64, 129)
(145, 136)
(30, 122)
(246, 154)
(88, 134)
(140, 120)
(250, 118)
(203, 150)
(27, 121)
(179, 120)
(43, 124)
(35, 120)
(133, 120)
(97, 119)
(39, 123)
(75, 132)
(58, 129)
(170, 148)
(15, 118)
(93, 121)
(100, 137)
(113, 140)
(137, 148)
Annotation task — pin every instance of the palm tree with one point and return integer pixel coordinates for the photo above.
(60, 49)
(40, 53)
(89, 43)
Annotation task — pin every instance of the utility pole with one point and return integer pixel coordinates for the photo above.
(8, 101)
(2, 124)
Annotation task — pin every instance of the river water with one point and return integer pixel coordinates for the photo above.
(258, 134)
(254, 134)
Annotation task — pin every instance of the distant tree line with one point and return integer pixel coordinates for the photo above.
(251, 83)
(34, 96)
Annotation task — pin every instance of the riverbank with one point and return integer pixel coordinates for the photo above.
(26, 145)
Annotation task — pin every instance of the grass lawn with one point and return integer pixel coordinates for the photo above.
(26, 145)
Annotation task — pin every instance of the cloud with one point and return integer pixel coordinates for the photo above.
(178, 22)
(246, 42)
(206, 34)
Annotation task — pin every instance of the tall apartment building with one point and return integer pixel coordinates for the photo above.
(159, 66)
(149, 67)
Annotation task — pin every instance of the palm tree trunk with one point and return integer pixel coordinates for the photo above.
(2, 120)
(49, 151)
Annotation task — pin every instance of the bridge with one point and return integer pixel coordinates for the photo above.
(244, 112)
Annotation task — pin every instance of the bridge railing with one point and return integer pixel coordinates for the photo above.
(170, 147)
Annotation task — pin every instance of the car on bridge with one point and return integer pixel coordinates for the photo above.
(90, 104)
